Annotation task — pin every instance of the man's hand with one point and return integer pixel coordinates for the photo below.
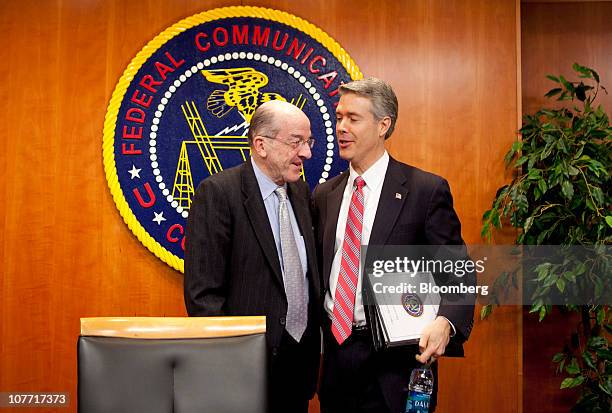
(434, 340)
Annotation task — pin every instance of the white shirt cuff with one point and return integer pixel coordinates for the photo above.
(454, 332)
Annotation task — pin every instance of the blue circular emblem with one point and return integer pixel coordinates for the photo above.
(412, 304)
(182, 109)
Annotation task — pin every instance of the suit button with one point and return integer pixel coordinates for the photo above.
(274, 351)
(282, 321)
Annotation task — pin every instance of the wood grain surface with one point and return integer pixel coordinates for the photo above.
(66, 253)
(172, 327)
(555, 36)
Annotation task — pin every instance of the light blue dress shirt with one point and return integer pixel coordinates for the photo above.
(271, 202)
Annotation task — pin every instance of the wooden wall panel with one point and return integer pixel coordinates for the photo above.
(554, 36)
(66, 253)
(542, 341)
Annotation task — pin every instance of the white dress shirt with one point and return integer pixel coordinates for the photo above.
(374, 178)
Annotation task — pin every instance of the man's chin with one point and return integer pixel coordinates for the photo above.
(294, 176)
(345, 153)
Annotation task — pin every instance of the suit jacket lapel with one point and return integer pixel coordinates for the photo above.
(392, 198)
(256, 211)
(333, 202)
(389, 207)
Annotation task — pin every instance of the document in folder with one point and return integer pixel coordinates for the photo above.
(398, 317)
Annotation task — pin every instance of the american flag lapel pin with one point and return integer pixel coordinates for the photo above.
(398, 195)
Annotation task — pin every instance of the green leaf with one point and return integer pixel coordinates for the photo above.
(543, 270)
(543, 312)
(572, 382)
(596, 166)
(558, 357)
(573, 368)
(561, 145)
(598, 286)
(605, 355)
(553, 92)
(598, 195)
(521, 161)
(547, 151)
(567, 189)
(588, 359)
(553, 78)
(495, 220)
(534, 174)
(597, 342)
(535, 307)
(590, 205)
(528, 223)
(542, 185)
(581, 92)
(485, 311)
(532, 161)
(599, 133)
(581, 69)
(560, 284)
(485, 233)
(601, 314)
(567, 84)
(607, 388)
(609, 220)
(578, 153)
(541, 237)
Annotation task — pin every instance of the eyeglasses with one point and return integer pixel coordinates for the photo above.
(294, 144)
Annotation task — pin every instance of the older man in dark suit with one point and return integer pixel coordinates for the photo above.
(250, 251)
(378, 201)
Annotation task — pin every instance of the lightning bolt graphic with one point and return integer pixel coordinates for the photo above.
(234, 128)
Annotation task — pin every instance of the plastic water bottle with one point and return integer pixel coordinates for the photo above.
(419, 390)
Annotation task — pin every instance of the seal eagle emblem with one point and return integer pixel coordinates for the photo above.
(181, 111)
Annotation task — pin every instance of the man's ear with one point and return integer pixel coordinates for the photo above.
(384, 125)
(258, 146)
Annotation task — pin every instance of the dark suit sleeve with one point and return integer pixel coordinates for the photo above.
(207, 247)
(442, 227)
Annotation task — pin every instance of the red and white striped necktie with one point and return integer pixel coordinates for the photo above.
(344, 298)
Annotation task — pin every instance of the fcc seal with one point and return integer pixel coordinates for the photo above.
(412, 304)
(181, 111)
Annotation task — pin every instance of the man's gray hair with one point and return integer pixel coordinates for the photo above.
(263, 123)
(380, 94)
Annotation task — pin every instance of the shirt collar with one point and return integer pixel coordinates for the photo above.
(266, 185)
(375, 174)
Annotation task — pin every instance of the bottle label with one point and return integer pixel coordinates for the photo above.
(417, 402)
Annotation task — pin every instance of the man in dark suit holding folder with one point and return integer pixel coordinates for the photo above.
(250, 251)
(378, 201)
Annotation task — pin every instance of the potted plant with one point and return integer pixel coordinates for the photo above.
(560, 195)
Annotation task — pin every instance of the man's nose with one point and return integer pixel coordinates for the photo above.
(340, 126)
(305, 151)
